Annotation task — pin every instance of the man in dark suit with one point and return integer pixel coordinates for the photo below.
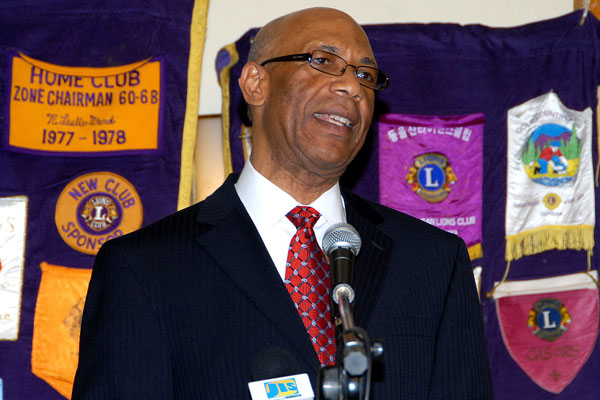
(191, 306)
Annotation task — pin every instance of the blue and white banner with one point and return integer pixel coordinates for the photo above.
(550, 189)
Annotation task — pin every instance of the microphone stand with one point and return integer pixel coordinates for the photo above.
(350, 378)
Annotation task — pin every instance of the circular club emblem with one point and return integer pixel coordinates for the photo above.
(431, 177)
(96, 207)
(551, 201)
(548, 319)
(551, 154)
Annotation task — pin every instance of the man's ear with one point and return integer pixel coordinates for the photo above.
(254, 83)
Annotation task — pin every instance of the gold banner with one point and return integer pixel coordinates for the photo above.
(57, 323)
(57, 109)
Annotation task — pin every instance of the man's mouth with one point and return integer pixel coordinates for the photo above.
(334, 119)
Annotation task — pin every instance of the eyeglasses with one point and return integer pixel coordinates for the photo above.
(333, 64)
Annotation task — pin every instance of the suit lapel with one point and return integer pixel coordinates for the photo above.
(232, 240)
(373, 260)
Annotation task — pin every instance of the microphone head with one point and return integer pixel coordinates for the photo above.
(341, 235)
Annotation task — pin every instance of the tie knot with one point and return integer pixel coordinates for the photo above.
(303, 216)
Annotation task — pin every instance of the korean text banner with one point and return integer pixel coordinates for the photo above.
(453, 70)
(431, 168)
(93, 99)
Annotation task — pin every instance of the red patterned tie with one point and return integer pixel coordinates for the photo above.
(307, 281)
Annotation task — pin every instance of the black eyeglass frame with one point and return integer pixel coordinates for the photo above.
(380, 85)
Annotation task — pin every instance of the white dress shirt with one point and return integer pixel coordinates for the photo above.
(268, 206)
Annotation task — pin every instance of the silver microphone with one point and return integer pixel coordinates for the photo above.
(342, 244)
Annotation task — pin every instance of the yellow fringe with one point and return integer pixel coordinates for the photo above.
(475, 251)
(190, 124)
(224, 81)
(561, 237)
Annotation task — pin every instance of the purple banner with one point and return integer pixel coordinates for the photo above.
(451, 69)
(67, 199)
(431, 168)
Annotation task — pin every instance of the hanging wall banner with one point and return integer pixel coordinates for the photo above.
(57, 323)
(452, 69)
(13, 230)
(550, 194)
(549, 326)
(57, 110)
(98, 115)
(431, 167)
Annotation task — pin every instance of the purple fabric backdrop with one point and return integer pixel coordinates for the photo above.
(94, 34)
(448, 69)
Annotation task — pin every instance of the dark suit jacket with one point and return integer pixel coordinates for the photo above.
(182, 308)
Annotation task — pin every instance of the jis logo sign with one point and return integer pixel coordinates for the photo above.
(431, 177)
(281, 389)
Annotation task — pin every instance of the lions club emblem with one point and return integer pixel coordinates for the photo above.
(96, 207)
(548, 319)
(551, 201)
(100, 212)
(431, 177)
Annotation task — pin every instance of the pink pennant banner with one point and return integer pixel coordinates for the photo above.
(431, 167)
(550, 335)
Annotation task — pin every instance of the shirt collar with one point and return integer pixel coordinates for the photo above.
(273, 203)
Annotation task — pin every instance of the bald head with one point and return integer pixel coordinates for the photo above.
(270, 37)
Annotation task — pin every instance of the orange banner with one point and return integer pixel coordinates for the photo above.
(57, 323)
(62, 110)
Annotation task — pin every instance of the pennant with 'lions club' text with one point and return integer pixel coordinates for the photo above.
(431, 168)
(550, 193)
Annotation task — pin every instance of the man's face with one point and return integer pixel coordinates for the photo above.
(316, 122)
